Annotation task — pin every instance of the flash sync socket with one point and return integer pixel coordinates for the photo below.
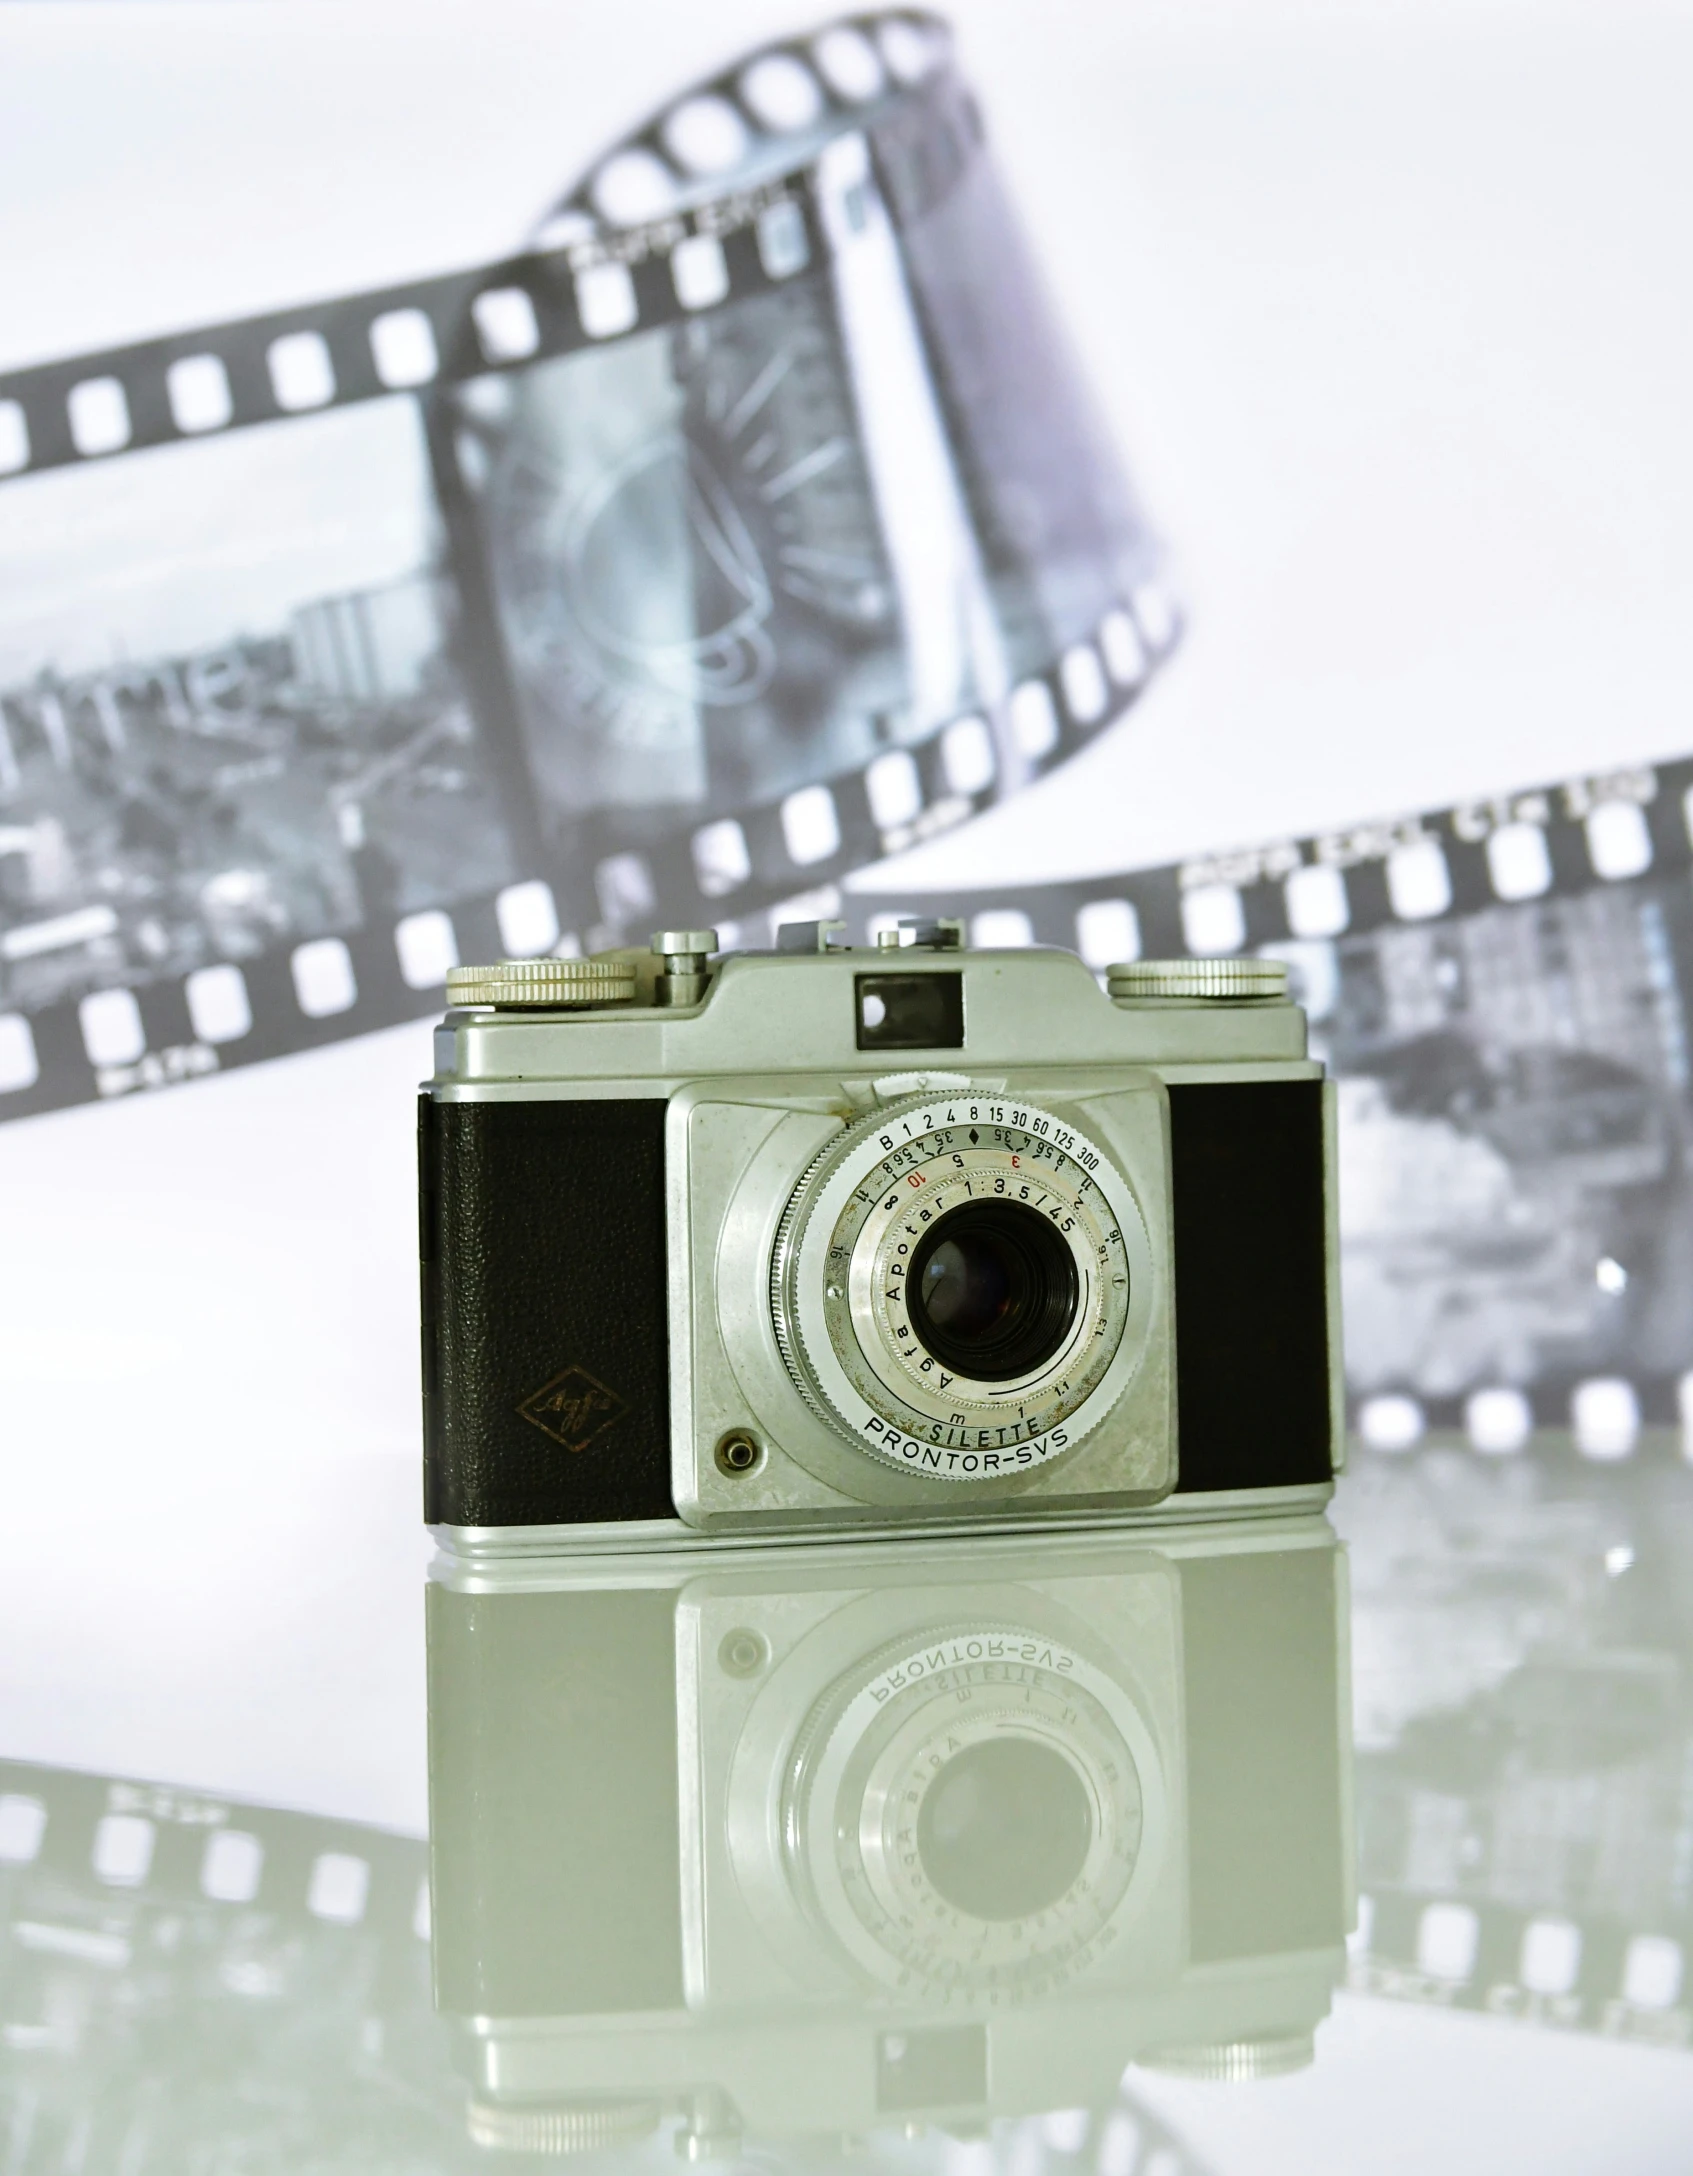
(909, 1012)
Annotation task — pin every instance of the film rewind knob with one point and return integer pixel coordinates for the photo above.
(1269, 2055)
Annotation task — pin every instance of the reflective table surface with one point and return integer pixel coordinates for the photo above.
(1360, 1842)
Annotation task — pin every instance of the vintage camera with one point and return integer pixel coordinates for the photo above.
(823, 1237)
(807, 1839)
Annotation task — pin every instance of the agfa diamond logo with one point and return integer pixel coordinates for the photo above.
(573, 1408)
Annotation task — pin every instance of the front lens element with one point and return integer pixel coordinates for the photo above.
(993, 1291)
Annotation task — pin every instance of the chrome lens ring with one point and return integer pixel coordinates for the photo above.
(1048, 1289)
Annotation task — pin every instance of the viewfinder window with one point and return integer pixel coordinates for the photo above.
(910, 1012)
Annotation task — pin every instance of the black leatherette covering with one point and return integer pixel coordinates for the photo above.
(1252, 1352)
(545, 1361)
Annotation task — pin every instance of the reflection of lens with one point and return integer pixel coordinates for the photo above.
(993, 1291)
(1004, 1829)
(965, 1808)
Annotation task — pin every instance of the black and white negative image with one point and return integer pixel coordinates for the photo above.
(231, 712)
(1517, 1208)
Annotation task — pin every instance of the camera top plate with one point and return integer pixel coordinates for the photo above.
(793, 1013)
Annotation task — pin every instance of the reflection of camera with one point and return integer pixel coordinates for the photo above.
(914, 1233)
(819, 1838)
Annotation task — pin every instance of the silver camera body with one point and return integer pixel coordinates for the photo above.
(835, 1237)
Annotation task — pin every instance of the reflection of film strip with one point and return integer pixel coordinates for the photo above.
(1535, 1968)
(189, 1982)
(1521, 1780)
(231, 1983)
(184, 1980)
(749, 527)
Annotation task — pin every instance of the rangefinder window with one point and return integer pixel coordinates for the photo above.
(910, 1012)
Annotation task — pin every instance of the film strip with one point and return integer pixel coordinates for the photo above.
(747, 527)
(1589, 835)
(1503, 991)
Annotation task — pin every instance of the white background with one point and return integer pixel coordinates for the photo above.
(1390, 307)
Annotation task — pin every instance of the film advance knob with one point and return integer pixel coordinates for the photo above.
(1236, 980)
(547, 982)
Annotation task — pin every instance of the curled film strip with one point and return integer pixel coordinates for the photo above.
(746, 528)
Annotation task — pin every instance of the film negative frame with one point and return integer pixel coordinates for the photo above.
(1595, 832)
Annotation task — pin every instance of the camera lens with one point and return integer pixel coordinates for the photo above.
(962, 1289)
(1004, 1829)
(993, 1291)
